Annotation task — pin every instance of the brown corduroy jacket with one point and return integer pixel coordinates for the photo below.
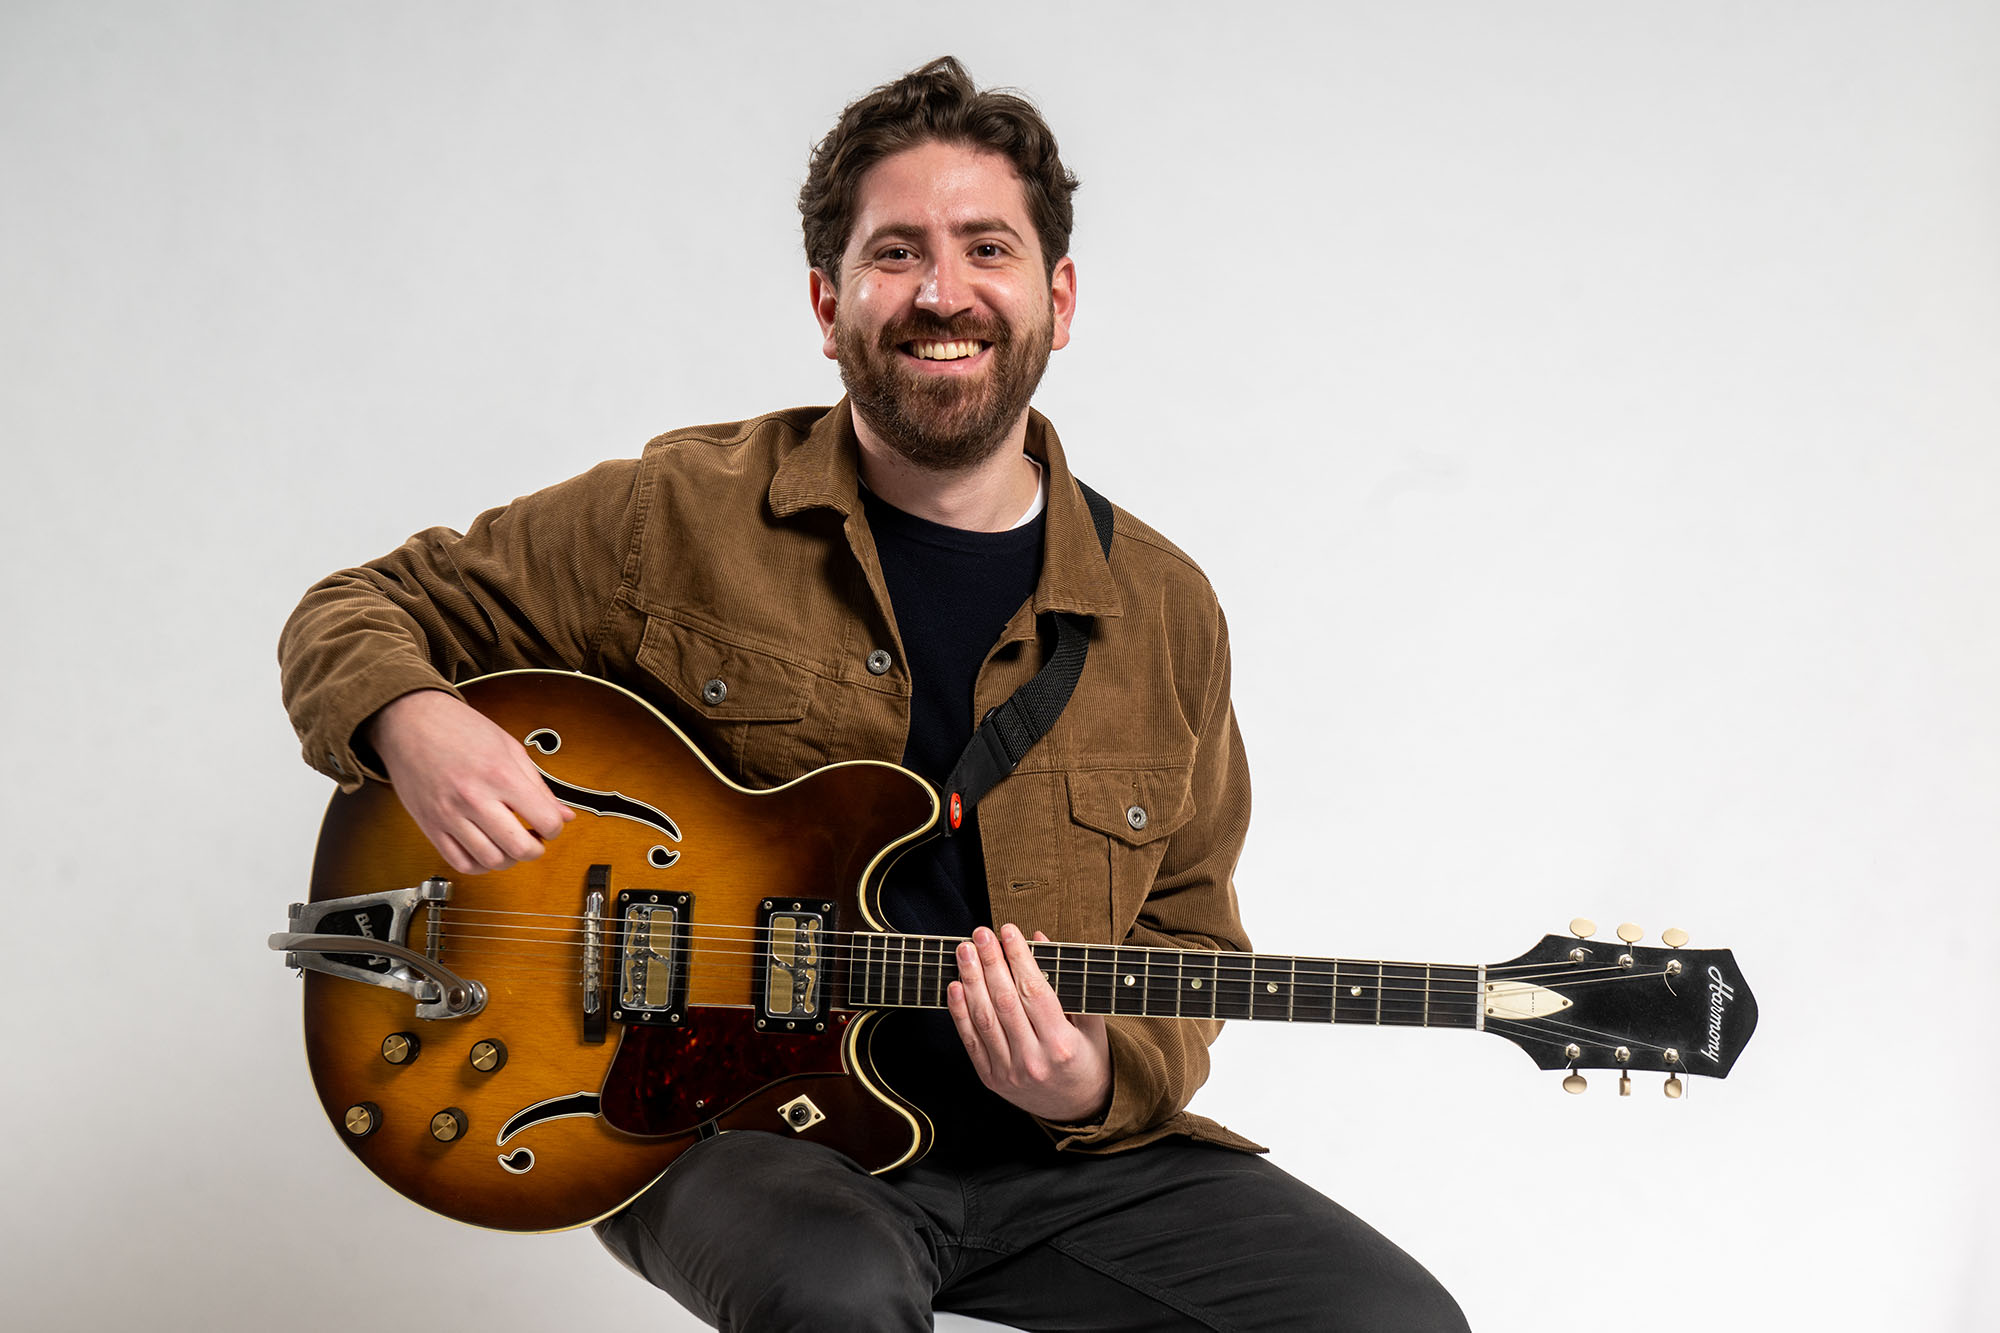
(741, 553)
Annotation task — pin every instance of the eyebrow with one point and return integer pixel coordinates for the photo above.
(974, 227)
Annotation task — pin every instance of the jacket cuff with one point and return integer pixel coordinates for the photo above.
(1121, 1116)
(335, 746)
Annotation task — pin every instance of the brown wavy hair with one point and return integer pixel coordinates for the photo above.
(935, 103)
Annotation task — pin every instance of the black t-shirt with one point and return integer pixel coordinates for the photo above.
(953, 592)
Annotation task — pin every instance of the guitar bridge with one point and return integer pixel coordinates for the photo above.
(791, 965)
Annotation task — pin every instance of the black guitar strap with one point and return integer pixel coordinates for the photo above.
(1008, 732)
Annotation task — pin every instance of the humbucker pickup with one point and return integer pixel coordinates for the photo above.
(652, 957)
(792, 964)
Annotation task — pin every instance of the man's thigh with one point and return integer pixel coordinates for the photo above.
(754, 1231)
(1177, 1236)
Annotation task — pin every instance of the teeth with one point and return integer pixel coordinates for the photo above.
(953, 351)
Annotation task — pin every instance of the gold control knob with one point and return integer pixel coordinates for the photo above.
(1673, 937)
(1673, 1085)
(361, 1120)
(399, 1048)
(448, 1124)
(1583, 927)
(1630, 933)
(488, 1055)
(1575, 1083)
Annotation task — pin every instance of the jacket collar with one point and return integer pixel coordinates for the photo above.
(822, 472)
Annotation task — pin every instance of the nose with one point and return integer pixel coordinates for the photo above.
(944, 291)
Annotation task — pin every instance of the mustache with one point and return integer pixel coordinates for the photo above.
(962, 327)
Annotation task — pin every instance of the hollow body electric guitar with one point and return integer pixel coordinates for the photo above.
(529, 1049)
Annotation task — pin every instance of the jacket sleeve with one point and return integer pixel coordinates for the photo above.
(1158, 1064)
(528, 584)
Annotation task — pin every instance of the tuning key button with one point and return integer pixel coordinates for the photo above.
(448, 1124)
(399, 1048)
(1583, 927)
(487, 1056)
(1673, 1085)
(1673, 937)
(1630, 933)
(1624, 1085)
(1575, 1083)
(361, 1120)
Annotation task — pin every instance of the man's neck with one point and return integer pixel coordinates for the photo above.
(988, 496)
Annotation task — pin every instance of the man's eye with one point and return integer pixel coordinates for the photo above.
(987, 250)
(897, 254)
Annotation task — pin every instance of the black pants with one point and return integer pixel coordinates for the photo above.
(755, 1232)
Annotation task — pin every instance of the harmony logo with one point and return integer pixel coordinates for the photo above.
(1720, 993)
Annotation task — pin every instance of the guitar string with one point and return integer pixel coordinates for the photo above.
(717, 931)
(1227, 966)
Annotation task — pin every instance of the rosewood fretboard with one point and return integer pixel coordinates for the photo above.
(912, 972)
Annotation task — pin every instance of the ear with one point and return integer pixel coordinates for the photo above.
(1062, 300)
(824, 299)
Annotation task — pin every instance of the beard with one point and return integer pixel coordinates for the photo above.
(943, 422)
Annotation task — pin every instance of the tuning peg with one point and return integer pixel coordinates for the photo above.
(1624, 1085)
(1673, 1088)
(1630, 933)
(1583, 927)
(1673, 937)
(1575, 1083)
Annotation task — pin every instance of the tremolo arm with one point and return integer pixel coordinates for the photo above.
(379, 919)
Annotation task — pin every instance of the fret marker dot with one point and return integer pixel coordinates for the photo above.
(1196, 983)
(1271, 987)
(1354, 991)
(1130, 979)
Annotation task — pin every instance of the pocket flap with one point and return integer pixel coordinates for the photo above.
(721, 680)
(1134, 805)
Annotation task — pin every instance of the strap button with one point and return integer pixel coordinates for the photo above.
(715, 691)
(1136, 817)
(878, 661)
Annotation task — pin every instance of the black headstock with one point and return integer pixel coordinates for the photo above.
(1575, 1003)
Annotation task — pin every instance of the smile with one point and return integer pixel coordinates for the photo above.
(925, 350)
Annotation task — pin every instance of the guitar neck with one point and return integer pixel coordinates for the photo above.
(912, 972)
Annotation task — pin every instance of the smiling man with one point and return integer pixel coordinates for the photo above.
(870, 581)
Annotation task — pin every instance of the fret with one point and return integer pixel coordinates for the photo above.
(1358, 997)
(1232, 985)
(1405, 996)
(1066, 968)
(1312, 1000)
(1270, 987)
(1128, 989)
(931, 980)
(870, 974)
(1198, 983)
(1100, 966)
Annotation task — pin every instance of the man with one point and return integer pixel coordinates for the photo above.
(867, 581)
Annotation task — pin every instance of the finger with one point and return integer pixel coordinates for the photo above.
(504, 829)
(1038, 1000)
(536, 804)
(979, 1006)
(480, 853)
(961, 1018)
(1006, 996)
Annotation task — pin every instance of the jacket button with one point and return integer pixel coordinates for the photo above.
(715, 691)
(878, 661)
(334, 765)
(1136, 817)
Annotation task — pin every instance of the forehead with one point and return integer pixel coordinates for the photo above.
(940, 187)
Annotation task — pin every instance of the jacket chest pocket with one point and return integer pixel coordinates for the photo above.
(1120, 822)
(749, 711)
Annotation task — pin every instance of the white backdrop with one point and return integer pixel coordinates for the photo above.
(1587, 412)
